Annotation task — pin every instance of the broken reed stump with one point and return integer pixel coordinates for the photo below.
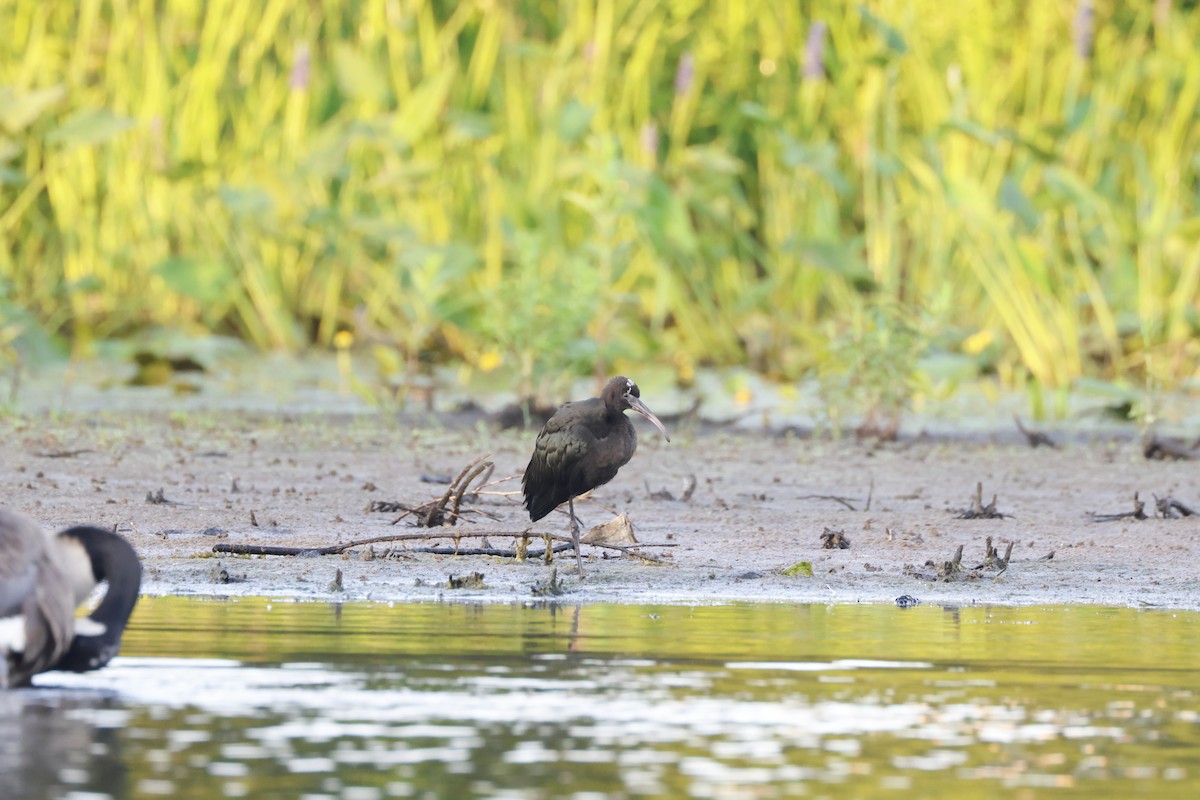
(834, 540)
(953, 570)
(992, 559)
(551, 587)
(978, 510)
(472, 581)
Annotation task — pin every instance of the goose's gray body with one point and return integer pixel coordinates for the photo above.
(43, 579)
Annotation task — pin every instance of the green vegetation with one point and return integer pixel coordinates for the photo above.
(508, 185)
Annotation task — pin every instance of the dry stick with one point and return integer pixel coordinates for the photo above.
(843, 500)
(490, 467)
(484, 551)
(455, 486)
(463, 487)
(63, 453)
(1170, 508)
(1139, 512)
(335, 549)
(439, 506)
(1035, 438)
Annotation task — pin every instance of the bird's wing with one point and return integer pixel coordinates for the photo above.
(22, 546)
(557, 453)
(49, 619)
(33, 588)
(555, 472)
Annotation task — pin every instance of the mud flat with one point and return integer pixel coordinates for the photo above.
(771, 517)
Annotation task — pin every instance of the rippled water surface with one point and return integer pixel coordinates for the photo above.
(264, 699)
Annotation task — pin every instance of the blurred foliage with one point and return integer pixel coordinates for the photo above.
(871, 370)
(553, 188)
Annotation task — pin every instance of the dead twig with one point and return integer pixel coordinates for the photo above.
(1036, 439)
(62, 453)
(433, 514)
(843, 500)
(1170, 508)
(498, 552)
(1138, 512)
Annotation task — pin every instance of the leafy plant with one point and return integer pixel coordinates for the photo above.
(870, 371)
(630, 181)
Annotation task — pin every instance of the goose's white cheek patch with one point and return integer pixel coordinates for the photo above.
(86, 626)
(12, 634)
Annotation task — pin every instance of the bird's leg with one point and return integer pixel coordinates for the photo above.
(575, 535)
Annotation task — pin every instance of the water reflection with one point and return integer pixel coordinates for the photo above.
(263, 699)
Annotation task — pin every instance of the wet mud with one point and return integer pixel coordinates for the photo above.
(351, 499)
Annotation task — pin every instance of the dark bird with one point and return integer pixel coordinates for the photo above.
(582, 447)
(43, 579)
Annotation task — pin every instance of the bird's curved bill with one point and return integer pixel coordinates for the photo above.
(637, 405)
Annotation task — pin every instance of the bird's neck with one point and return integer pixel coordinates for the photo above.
(98, 636)
(614, 415)
(113, 560)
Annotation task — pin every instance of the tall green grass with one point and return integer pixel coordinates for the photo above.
(548, 187)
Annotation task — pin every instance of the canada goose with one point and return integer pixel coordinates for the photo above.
(43, 579)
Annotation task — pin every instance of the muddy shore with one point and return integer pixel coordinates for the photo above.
(761, 504)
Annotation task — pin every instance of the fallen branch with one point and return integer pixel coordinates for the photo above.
(336, 549)
(1138, 512)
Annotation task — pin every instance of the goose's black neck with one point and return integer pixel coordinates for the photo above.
(113, 560)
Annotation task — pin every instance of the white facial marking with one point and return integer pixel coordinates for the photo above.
(76, 566)
(86, 626)
(12, 634)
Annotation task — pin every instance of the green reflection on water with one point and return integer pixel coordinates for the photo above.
(1071, 638)
(631, 701)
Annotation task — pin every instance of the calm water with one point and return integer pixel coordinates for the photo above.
(264, 699)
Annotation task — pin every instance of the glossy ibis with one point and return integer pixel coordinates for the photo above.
(43, 579)
(582, 447)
